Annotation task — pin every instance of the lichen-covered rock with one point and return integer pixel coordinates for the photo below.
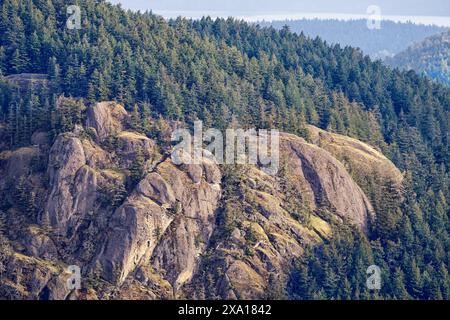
(95, 156)
(182, 230)
(39, 244)
(66, 160)
(325, 181)
(30, 278)
(178, 252)
(107, 118)
(134, 231)
(247, 283)
(266, 239)
(195, 172)
(78, 170)
(166, 223)
(270, 231)
(130, 144)
(360, 158)
(157, 189)
(145, 285)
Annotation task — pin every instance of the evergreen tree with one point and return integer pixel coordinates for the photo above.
(137, 168)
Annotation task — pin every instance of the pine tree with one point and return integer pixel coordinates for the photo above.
(388, 213)
(137, 168)
(301, 286)
(54, 74)
(444, 279)
(346, 290)
(18, 62)
(135, 119)
(414, 283)
(398, 285)
(331, 282)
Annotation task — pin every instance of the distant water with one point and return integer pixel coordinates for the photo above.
(425, 20)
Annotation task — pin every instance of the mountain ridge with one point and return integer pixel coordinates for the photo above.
(430, 57)
(161, 195)
(306, 234)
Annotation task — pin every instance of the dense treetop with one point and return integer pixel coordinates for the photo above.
(430, 57)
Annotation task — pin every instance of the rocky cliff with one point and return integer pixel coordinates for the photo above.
(140, 227)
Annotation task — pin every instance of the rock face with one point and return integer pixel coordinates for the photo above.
(167, 211)
(263, 239)
(327, 181)
(45, 280)
(272, 229)
(77, 171)
(133, 234)
(358, 157)
(66, 171)
(197, 231)
(131, 144)
(106, 118)
(196, 201)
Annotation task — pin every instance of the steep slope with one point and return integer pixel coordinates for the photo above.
(430, 57)
(360, 159)
(176, 225)
(226, 73)
(276, 219)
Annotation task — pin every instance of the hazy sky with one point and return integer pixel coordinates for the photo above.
(254, 7)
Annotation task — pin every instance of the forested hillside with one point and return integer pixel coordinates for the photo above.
(390, 39)
(430, 57)
(228, 72)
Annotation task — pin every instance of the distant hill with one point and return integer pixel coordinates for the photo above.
(391, 39)
(430, 56)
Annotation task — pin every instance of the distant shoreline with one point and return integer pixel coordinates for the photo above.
(441, 21)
